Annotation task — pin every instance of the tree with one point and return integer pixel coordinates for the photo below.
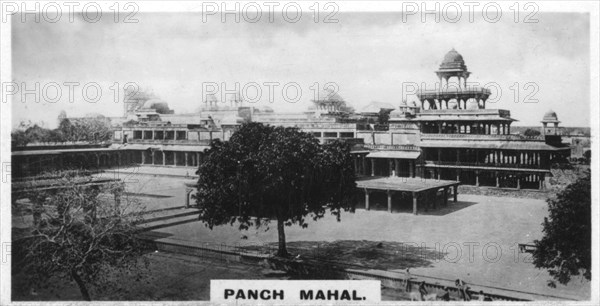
(89, 129)
(531, 132)
(566, 247)
(82, 232)
(383, 117)
(66, 129)
(588, 155)
(265, 172)
(19, 138)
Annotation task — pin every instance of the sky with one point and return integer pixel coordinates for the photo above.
(369, 56)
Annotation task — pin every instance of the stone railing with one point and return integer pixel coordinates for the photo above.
(169, 141)
(352, 141)
(430, 136)
(456, 90)
(386, 147)
(471, 164)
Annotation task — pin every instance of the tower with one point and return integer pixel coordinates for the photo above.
(444, 97)
(550, 117)
(453, 65)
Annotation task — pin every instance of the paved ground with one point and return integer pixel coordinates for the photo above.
(475, 238)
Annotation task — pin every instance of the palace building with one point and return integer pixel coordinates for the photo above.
(447, 135)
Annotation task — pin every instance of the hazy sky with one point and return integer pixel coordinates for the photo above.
(368, 55)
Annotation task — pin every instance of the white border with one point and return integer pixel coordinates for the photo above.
(189, 6)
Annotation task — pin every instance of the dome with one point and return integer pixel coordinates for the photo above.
(150, 102)
(550, 116)
(453, 61)
(453, 57)
(328, 95)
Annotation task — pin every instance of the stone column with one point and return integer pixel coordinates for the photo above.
(186, 158)
(518, 182)
(389, 200)
(455, 193)
(390, 170)
(366, 199)
(153, 158)
(477, 178)
(414, 199)
(364, 164)
(497, 180)
(164, 156)
(397, 167)
(445, 196)
(174, 158)
(187, 197)
(372, 167)
(411, 164)
(143, 157)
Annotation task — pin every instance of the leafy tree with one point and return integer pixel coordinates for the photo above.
(566, 248)
(383, 117)
(19, 138)
(588, 155)
(265, 172)
(88, 129)
(80, 232)
(66, 129)
(531, 132)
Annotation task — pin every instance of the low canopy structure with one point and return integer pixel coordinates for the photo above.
(414, 186)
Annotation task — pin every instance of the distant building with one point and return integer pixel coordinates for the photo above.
(448, 134)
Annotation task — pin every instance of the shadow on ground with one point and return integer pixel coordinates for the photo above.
(380, 255)
(451, 208)
(404, 208)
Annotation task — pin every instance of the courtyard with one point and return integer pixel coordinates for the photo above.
(473, 239)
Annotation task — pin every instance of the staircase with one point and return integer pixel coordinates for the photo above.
(168, 217)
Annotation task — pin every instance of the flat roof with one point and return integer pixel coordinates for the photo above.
(395, 154)
(160, 147)
(407, 184)
(499, 169)
(59, 151)
(463, 118)
(493, 144)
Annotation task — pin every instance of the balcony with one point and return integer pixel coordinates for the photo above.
(434, 136)
(470, 90)
(386, 147)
